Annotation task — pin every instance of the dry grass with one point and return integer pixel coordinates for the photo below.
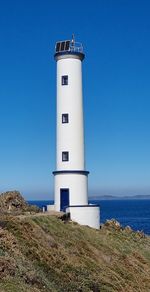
(42, 253)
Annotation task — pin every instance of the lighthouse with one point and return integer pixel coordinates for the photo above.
(71, 176)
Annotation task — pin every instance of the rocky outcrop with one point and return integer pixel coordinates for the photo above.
(112, 224)
(12, 202)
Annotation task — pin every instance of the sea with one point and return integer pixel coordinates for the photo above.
(132, 212)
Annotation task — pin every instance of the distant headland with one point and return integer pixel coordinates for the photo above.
(113, 197)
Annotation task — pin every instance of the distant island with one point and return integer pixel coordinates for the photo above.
(112, 197)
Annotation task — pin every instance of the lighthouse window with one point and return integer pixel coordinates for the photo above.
(65, 156)
(64, 80)
(65, 118)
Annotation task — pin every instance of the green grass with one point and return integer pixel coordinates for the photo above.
(46, 254)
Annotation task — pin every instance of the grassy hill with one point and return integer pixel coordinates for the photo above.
(43, 253)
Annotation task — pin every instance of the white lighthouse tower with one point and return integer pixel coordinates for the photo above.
(70, 177)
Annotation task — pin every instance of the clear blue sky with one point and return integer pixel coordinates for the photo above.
(116, 75)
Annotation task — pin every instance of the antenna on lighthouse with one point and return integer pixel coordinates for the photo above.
(73, 39)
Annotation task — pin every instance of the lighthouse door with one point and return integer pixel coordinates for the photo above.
(64, 199)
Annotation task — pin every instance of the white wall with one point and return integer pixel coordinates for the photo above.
(70, 136)
(77, 184)
(89, 215)
(50, 208)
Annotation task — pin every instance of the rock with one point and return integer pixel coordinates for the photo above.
(128, 229)
(13, 202)
(140, 234)
(113, 223)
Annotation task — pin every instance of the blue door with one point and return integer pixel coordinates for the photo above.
(64, 199)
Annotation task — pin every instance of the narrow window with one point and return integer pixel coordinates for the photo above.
(65, 118)
(65, 156)
(64, 80)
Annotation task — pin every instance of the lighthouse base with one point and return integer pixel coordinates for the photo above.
(85, 215)
(71, 196)
(70, 189)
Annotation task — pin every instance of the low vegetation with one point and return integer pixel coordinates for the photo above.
(40, 252)
(43, 253)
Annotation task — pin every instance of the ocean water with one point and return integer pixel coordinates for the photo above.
(135, 213)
